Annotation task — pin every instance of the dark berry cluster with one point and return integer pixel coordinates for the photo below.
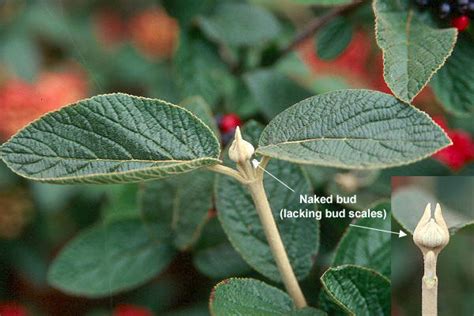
(458, 12)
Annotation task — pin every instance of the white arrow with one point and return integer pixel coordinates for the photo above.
(256, 163)
(400, 233)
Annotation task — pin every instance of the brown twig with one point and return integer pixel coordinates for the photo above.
(316, 24)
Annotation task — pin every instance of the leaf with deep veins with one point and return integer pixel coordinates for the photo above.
(359, 291)
(412, 50)
(352, 129)
(114, 138)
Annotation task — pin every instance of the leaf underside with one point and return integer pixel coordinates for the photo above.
(114, 138)
(359, 291)
(352, 129)
(412, 50)
(254, 298)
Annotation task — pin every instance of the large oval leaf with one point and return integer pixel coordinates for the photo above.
(105, 260)
(360, 291)
(114, 138)
(242, 225)
(412, 50)
(352, 129)
(253, 298)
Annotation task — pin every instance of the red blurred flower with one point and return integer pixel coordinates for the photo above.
(462, 149)
(58, 89)
(131, 310)
(21, 102)
(12, 309)
(154, 33)
(109, 28)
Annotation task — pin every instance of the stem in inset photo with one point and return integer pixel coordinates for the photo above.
(431, 236)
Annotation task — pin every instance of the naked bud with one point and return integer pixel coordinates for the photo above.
(431, 233)
(240, 151)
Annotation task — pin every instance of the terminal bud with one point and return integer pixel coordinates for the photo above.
(240, 151)
(431, 233)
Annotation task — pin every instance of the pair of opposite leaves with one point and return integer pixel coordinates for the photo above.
(118, 138)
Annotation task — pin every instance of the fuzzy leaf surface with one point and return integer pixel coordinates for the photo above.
(253, 298)
(358, 290)
(242, 225)
(453, 84)
(352, 129)
(113, 138)
(365, 247)
(240, 24)
(106, 260)
(413, 51)
(199, 107)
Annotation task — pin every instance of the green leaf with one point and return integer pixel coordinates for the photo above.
(409, 203)
(253, 298)
(240, 24)
(333, 38)
(220, 261)
(182, 203)
(327, 304)
(113, 138)
(105, 260)
(352, 129)
(453, 85)
(412, 50)
(273, 91)
(242, 225)
(198, 68)
(199, 107)
(364, 247)
(121, 202)
(360, 291)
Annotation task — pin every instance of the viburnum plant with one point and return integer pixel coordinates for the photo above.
(118, 138)
(175, 152)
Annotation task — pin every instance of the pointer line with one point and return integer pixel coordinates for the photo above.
(400, 233)
(256, 163)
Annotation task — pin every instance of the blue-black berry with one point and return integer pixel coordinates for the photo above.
(444, 10)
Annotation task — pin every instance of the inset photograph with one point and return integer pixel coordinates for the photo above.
(433, 269)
